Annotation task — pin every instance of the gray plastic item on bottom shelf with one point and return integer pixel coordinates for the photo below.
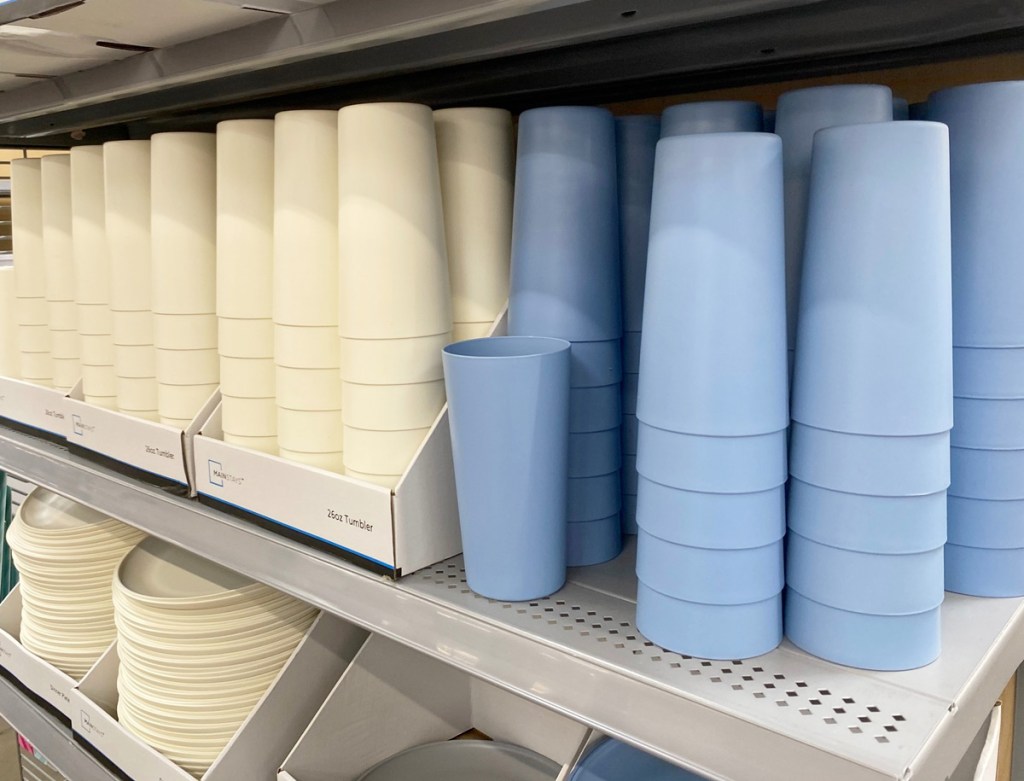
(465, 760)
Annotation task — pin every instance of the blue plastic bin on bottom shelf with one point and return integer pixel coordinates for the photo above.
(870, 642)
(709, 631)
(985, 572)
(612, 760)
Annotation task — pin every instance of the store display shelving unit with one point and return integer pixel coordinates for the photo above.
(785, 716)
(782, 717)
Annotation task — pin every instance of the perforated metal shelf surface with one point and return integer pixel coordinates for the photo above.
(785, 716)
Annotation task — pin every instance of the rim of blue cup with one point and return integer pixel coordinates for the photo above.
(539, 345)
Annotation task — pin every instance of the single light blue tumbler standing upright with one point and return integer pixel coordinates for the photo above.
(636, 138)
(566, 283)
(508, 408)
(713, 404)
(985, 554)
(798, 116)
(872, 403)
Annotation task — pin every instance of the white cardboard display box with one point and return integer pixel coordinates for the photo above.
(152, 451)
(34, 406)
(263, 739)
(392, 698)
(43, 682)
(388, 531)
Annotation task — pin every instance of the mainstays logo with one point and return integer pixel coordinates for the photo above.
(347, 519)
(80, 427)
(217, 476)
(89, 726)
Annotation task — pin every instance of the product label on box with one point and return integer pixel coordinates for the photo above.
(144, 444)
(329, 508)
(33, 405)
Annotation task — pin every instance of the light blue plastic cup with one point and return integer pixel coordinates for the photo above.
(629, 514)
(798, 116)
(709, 520)
(593, 453)
(565, 274)
(985, 523)
(918, 111)
(636, 138)
(988, 424)
(630, 388)
(900, 109)
(508, 409)
(863, 640)
(733, 465)
(596, 364)
(709, 631)
(874, 524)
(594, 542)
(713, 357)
(876, 583)
(595, 409)
(631, 352)
(630, 431)
(712, 116)
(712, 576)
(870, 465)
(769, 120)
(593, 498)
(986, 474)
(986, 123)
(985, 572)
(874, 350)
(612, 760)
(988, 373)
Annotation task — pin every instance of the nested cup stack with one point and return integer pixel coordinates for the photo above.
(126, 172)
(245, 277)
(92, 276)
(33, 317)
(10, 358)
(58, 251)
(566, 283)
(183, 233)
(476, 157)
(713, 403)
(712, 116)
(394, 291)
(872, 402)
(635, 140)
(985, 552)
(305, 289)
(799, 114)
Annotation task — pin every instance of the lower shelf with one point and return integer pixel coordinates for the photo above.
(51, 738)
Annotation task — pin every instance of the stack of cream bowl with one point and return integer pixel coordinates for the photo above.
(198, 647)
(309, 399)
(66, 554)
(476, 156)
(395, 311)
(36, 360)
(245, 260)
(126, 188)
(9, 357)
(92, 276)
(58, 251)
(183, 238)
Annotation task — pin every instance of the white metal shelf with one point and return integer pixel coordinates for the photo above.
(782, 717)
(51, 738)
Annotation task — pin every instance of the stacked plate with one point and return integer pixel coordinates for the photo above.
(66, 554)
(198, 646)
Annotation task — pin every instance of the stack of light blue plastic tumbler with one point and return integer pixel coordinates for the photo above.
(872, 398)
(985, 554)
(713, 399)
(636, 138)
(566, 283)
